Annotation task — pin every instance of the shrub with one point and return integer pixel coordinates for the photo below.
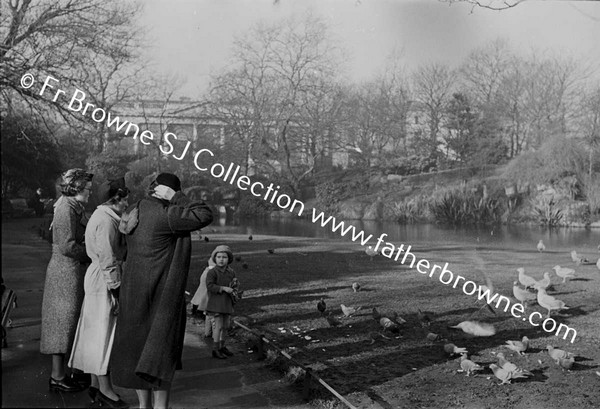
(547, 211)
(463, 206)
(412, 210)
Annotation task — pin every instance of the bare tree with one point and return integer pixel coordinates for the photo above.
(432, 87)
(275, 71)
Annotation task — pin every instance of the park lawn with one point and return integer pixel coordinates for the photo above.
(282, 289)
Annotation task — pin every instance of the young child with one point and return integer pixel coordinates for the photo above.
(223, 292)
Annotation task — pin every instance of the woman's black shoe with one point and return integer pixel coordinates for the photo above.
(105, 400)
(64, 385)
(93, 392)
(83, 379)
(225, 351)
(218, 354)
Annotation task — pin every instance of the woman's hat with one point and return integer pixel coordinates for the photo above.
(170, 180)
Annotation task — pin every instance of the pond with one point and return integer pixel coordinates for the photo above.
(514, 236)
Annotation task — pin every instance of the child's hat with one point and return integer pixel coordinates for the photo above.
(222, 249)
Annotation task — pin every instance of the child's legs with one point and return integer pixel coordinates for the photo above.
(208, 325)
(226, 324)
(217, 328)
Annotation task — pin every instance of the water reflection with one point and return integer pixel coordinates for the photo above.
(501, 236)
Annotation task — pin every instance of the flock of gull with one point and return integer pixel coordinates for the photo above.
(533, 291)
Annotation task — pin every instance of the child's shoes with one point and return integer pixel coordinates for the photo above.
(225, 351)
(216, 353)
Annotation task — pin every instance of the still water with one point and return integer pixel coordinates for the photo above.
(501, 236)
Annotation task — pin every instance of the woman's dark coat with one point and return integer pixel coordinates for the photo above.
(151, 323)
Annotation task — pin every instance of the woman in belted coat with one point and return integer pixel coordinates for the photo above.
(151, 325)
(63, 288)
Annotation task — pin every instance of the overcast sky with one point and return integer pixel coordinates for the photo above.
(193, 38)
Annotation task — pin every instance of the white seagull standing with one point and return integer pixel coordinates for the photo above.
(550, 303)
(564, 272)
(540, 246)
(524, 279)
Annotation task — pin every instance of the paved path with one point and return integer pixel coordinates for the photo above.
(238, 382)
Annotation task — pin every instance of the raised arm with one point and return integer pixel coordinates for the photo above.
(186, 215)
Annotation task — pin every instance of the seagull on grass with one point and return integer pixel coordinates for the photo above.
(550, 303)
(540, 246)
(577, 259)
(478, 329)
(524, 279)
(564, 272)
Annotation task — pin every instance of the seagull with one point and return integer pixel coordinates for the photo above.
(578, 259)
(543, 283)
(564, 272)
(550, 303)
(557, 354)
(475, 328)
(540, 246)
(467, 365)
(250, 237)
(321, 306)
(355, 287)
(522, 295)
(348, 311)
(524, 279)
(452, 349)
(518, 346)
(371, 252)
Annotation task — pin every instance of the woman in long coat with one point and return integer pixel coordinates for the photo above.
(105, 245)
(63, 289)
(151, 325)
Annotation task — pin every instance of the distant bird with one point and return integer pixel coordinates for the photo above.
(433, 337)
(540, 246)
(543, 283)
(467, 365)
(245, 266)
(566, 363)
(389, 325)
(371, 252)
(475, 328)
(271, 251)
(425, 318)
(452, 349)
(355, 287)
(321, 306)
(206, 239)
(522, 295)
(510, 367)
(558, 354)
(501, 374)
(564, 272)
(524, 279)
(518, 346)
(376, 336)
(578, 259)
(250, 237)
(333, 322)
(550, 303)
(348, 311)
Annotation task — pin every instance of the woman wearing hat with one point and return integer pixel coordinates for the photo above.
(63, 288)
(151, 325)
(105, 245)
